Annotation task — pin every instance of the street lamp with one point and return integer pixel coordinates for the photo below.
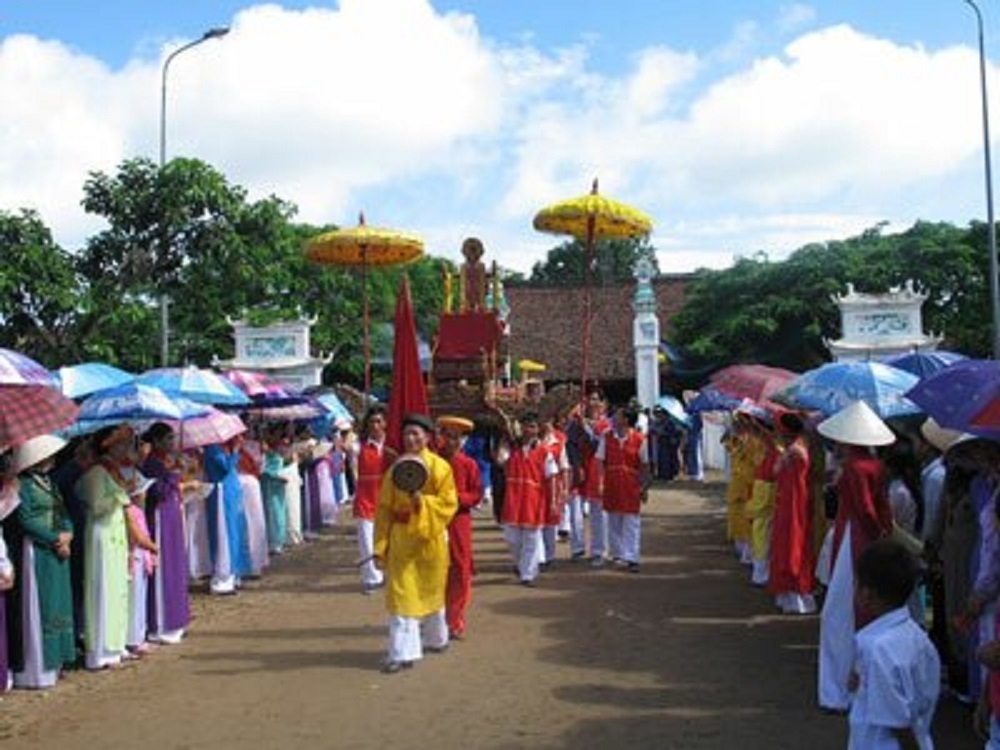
(991, 232)
(214, 33)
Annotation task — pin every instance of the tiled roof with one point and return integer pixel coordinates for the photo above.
(546, 325)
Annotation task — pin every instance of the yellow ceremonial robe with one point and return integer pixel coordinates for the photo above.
(414, 546)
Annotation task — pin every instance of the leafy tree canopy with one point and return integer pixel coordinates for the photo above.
(613, 261)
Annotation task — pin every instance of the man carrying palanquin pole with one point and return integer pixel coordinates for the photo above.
(452, 431)
(411, 546)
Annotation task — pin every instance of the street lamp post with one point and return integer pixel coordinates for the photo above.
(991, 232)
(214, 33)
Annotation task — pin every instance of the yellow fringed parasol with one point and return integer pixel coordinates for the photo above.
(360, 247)
(589, 218)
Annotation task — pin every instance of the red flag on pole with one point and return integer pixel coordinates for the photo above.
(409, 392)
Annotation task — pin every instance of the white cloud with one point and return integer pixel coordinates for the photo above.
(426, 124)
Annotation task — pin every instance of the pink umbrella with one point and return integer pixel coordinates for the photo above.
(251, 383)
(211, 429)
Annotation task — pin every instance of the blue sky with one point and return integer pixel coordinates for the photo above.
(739, 126)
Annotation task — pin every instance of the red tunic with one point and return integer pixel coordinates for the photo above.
(622, 465)
(524, 501)
(373, 461)
(592, 486)
(459, 589)
(555, 491)
(862, 500)
(792, 559)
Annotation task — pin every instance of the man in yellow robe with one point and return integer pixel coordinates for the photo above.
(411, 546)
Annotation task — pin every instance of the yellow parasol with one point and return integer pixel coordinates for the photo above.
(530, 365)
(360, 247)
(588, 218)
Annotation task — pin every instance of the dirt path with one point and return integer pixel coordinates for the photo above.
(684, 655)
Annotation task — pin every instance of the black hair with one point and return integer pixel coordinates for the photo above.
(157, 432)
(373, 410)
(887, 568)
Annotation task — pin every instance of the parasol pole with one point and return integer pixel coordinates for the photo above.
(364, 315)
(588, 252)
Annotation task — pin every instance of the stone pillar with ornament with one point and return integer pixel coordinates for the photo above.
(646, 337)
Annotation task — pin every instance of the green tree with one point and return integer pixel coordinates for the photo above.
(781, 312)
(39, 290)
(613, 261)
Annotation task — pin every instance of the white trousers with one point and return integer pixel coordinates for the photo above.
(598, 528)
(370, 575)
(409, 635)
(253, 508)
(526, 548)
(223, 578)
(34, 675)
(138, 589)
(577, 533)
(836, 630)
(548, 544)
(623, 536)
(199, 554)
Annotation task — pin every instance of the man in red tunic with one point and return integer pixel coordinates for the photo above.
(372, 459)
(792, 562)
(529, 468)
(554, 441)
(625, 460)
(452, 431)
(583, 433)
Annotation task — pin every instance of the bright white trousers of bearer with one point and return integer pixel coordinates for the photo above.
(526, 548)
(623, 536)
(409, 635)
(370, 575)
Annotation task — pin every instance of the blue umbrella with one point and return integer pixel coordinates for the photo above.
(674, 409)
(334, 411)
(711, 398)
(203, 386)
(956, 395)
(77, 381)
(129, 402)
(925, 363)
(836, 385)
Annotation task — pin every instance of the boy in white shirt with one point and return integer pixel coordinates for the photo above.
(897, 673)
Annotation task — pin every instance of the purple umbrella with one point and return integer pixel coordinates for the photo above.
(16, 369)
(923, 364)
(956, 395)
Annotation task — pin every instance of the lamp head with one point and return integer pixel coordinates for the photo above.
(215, 33)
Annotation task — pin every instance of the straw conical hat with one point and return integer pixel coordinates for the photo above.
(36, 450)
(940, 437)
(856, 424)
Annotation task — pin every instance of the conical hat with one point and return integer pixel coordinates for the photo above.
(36, 450)
(856, 424)
(940, 437)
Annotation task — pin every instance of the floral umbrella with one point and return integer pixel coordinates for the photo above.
(836, 385)
(360, 247)
(589, 218)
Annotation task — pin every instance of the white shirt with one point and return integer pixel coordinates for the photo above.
(602, 450)
(900, 679)
(932, 480)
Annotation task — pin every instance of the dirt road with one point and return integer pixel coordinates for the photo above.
(683, 655)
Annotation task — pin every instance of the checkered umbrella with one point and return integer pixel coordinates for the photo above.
(16, 369)
(27, 411)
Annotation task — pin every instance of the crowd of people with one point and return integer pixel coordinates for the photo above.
(102, 536)
(807, 501)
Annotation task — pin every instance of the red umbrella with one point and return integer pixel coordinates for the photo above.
(409, 393)
(755, 382)
(27, 411)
